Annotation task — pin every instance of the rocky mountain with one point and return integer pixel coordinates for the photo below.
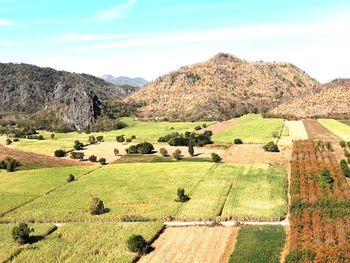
(331, 101)
(221, 88)
(76, 97)
(135, 82)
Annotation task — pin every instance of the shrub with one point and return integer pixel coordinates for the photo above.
(120, 138)
(116, 152)
(9, 164)
(342, 144)
(329, 146)
(133, 137)
(176, 139)
(237, 141)
(52, 136)
(93, 158)
(21, 233)
(128, 140)
(325, 178)
(177, 154)
(163, 152)
(120, 125)
(99, 138)
(141, 148)
(345, 168)
(191, 149)
(215, 158)
(70, 178)
(181, 196)
(134, 218)
(271, 147)
(78, 145)
(60, 153)
(77, 155)
(102, 161)
(92, 139)
(197, 128)
(8, 141)
(348, 144)
(138, 244)
(204, 126)
(15, 140)
(97, 207)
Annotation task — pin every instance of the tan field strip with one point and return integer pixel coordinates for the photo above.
(193, 244)
(221, 126)
(297, 130)
(317, 131)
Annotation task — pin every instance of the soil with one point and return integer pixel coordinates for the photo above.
(316, 131)
(193, 244)
(221, 126)
(34, 159)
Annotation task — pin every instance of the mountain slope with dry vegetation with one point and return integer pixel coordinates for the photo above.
(332, 101)
(221, 88)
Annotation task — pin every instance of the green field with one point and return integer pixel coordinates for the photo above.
(144, 131)
(345, 122)
(93, 242)
(149, 190)
(251, 128)
(19, 187)
(338, 128)
(256, 244)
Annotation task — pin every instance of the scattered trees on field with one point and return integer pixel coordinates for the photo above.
(181, 196)
(177, 139)
(191, 149)
(139, 245)
(216, 158)
(71, 178)
(60, 153)
(271, 147)
(237, 141)
(78, 145)
(52, 136)
(177, 154)
(116, 152)
(141, 148)
(97, 207)
(21, 233)
(99, 138)
(102, 161)
(8, 141)
(77, 156)
(93, 158)
(92, 139)
(197, 128)
(120, 138)
(163, 152)
(9, 164)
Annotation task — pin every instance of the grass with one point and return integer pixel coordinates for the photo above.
(94, 242)
(144, 131)
(338, 128)
(9, 247)
(257, 244)
(251, 128)
(17, 188)
(345, 122)
(144, 158)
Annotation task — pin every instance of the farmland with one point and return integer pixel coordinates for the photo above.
(251, 128)
(338, 128)
(316, 131)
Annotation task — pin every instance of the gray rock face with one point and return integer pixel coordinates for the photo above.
(27, 88)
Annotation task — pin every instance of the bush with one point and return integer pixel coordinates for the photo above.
(133, 137)
(191, 149)
(348, 144)
(97, 207)
(120, 138)
(9, 164)
(177, 139)
(271, 147)
(325, 178)
(342, 144)
(52, 136)
(181, 196)
(177, 154)
(134, 218)
(116, 152)
(215, 158)
(128, 140)
(8, 141)
(345, 168)
(138, 244)
(93, 158)
(163, 152)
(329, 146)
(197, 128)
(237, 141)
(92, 139)
(204, 126)
(15, 140)
(77, 156)
(21, 233)
(141, 148)
(78, 145)
(102, 161)
(99, 138)
(70, 178)
(120, 125)
(60, 153)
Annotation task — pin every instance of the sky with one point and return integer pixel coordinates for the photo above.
(148, 38)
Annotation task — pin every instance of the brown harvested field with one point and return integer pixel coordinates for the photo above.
(221, 126)
(193, 244)
(34, 159)
(316, 131)
(254, 153)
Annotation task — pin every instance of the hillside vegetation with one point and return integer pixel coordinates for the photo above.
(221, 88)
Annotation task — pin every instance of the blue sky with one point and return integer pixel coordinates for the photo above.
(151, 37)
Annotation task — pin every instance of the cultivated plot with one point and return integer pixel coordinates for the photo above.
(316, 131)
(340, 129)
(297, 130)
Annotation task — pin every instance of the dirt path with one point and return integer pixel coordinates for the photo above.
(28, 158)
(316, 131)
(221, 126)
(193, 244)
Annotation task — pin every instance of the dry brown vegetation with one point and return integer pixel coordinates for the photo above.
(221, 88)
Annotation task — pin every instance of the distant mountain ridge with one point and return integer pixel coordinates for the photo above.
(221, 88)
(135, 82)
(75, 97)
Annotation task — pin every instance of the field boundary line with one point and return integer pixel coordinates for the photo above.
(226, 223)
(224, 202)
(44, 194)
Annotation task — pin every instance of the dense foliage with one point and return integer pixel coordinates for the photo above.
(9, 164)
(138, 244)
(271, 147)
(21, 233)
(177, 139)
(141, 148)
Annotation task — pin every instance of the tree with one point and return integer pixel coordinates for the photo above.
(60, 153)
(102, 161)
(77, 156)
(177, 154)
(116, 152)
(97, 207)
(145, 148)
(93, 158)
(237, 141)
(181, 196)
(8, 141)
(271, 147)
(191, 149)
(92, 139)
(163, 152)
(197, 128)
(71, 178)
(52, 136)
(342, 144)
(138, 244)
(132, 149)
(78, 145)
(11, 165)
(216, 158)
(21, 233)
(120, 138)
(99, 138)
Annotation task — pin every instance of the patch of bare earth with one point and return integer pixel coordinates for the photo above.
(28, 158)
(193, 244)
(221, 126)
(316, 131)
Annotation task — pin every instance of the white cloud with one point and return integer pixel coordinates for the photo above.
(116, 11)
(6, 22)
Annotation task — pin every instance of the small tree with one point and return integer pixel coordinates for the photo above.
(342, 144)
(97, 207)
(11, 165)
(60, 153)
(52, 136)
(204, 125)
(116, 152)
(145, 148)
(181, 196)
(93, 158)
(77, 155)
(102, 161)
(163, 152)
(237, 141)
(191, 149)
(21, 233)
(8, 141)
(177, 154)
(132, 149)
(120, 138)
(197, 128)
(216, 158)
(271, 147)
(99, 138)
(138, 244)
(71, 178)
(92, 139)
(329, 146)
(78, 145)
